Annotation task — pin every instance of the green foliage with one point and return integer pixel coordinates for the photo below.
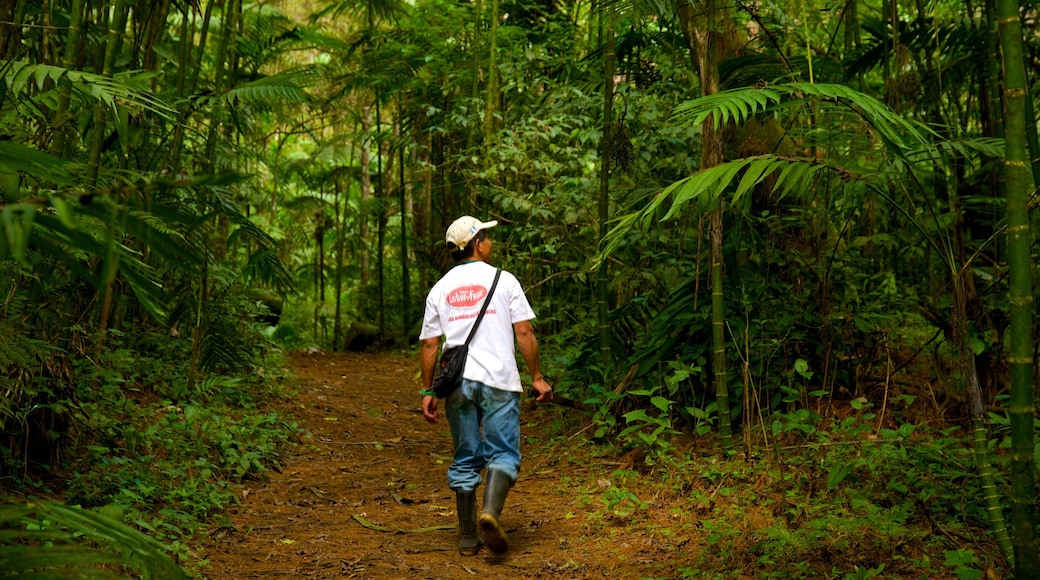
(168, 456)
(41, 539)
(621, 504)
(651, 428)
(828, 507)
(123, 92)
(846, 210)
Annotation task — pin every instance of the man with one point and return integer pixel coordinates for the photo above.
(484, 412)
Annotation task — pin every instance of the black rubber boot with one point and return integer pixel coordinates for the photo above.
(495, 489)
(466, 507)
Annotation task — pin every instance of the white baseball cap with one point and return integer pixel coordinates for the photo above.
(462, 230)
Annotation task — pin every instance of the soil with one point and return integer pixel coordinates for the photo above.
(364, 495)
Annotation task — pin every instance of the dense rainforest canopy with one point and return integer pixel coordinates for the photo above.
(738, 221)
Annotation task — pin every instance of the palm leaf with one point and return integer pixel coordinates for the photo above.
(33, 162)
(51, 540)
(265, 266)
(285, 86)
(371, 10)
(118, 92)
(897, 133)
(793, 174)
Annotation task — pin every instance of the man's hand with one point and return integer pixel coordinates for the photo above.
(545, 392)
(528, 344)
(429, 408)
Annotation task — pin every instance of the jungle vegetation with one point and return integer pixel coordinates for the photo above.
(742, 222)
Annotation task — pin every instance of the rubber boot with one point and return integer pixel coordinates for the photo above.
(495, 489)
(466, 507)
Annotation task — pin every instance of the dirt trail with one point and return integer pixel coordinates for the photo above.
(366, 497)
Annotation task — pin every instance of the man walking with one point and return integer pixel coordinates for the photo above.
(484, 412)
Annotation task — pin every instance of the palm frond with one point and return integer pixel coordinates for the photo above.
(899, 135)
(47, 539)
(122, 91)
(266, 267)
(284, 87)
(372, 11)
(957, 41)
(793, 174)
(33, 162)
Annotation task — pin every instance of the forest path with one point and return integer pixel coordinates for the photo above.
(365, 495)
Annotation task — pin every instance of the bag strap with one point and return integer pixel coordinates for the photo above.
(483, 309)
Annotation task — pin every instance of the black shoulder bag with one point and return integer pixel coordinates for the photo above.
(453, 360)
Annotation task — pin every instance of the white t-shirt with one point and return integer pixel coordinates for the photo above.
(453, 305)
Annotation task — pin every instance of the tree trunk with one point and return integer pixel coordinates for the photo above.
(478, 13)
(13, 31)
(1021, 312)
(206, 19)
(990, 98)
(111, 258)
(152, 28)
(188, 74)
(366, 200)
(402, 200)
(62, 115)
(602, 297)
(113, 41)
(342, 192)
(977, 413)
(223, 47)
(705, 46)
(491, 95)
(380, 225)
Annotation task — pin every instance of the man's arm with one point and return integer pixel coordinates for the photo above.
(528, 344)
(427, 365)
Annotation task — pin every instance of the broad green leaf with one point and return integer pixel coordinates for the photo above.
(661, 403)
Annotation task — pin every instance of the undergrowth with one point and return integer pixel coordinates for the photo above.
(837, 498)
(144, 448)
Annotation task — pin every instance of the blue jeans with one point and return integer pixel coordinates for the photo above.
(474, 405)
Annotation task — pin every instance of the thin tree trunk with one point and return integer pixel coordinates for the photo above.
(188, 75)
(711, 155)
(381, 226)
(47, 51)
(111, 259)
(184, 50)
(338, 210)
(602, 298)
(990, 99)
(406, 296)
(61, 114)
(366, 199)
(1021, 310)
(207, 17)
(491, 96)
(223, 48)
(478, 12)
(977, 414)
(13, 30)
(851, 26)
(113, 42)
(153, 26)
(341, 228)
